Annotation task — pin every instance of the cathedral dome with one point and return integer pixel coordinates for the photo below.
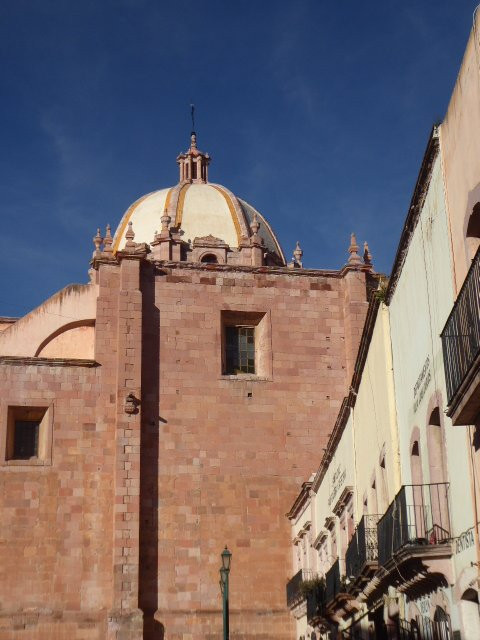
(198, 209)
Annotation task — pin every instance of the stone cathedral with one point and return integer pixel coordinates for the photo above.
(169, 407)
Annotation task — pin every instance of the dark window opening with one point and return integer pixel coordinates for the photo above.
(473, 228)
(25, 439)
(239, 350)
(473, 231)
(476, 438)
(27, 433)
(435, 418)
(194, 170)
(210, 258)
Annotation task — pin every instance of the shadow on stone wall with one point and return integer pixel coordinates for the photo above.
(148, 570)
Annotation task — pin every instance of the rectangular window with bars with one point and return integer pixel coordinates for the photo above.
(25, 439)
(27, 434)
(239, 350)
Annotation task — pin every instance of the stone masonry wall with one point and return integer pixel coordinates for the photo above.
(134, 508)
(55, 531)
(223, 456)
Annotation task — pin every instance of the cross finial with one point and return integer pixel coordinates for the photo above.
(192, 113)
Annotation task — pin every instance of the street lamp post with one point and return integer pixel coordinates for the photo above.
(224, 574)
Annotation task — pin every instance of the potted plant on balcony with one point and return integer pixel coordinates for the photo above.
(313, 585)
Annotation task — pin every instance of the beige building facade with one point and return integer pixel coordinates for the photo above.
(409, 426)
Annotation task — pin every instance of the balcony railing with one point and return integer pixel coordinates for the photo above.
(332, 582)
(316, 604)
(363, 547)
(422, 629)
(461, 334)
(419, 514)
(294, 592)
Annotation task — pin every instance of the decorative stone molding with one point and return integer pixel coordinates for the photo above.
(322, 536)
(209, 245)
(209, 241)
(341, 503)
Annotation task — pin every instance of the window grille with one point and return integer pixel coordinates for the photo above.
(240, 350)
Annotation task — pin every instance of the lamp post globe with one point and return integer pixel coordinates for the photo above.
(226, 559)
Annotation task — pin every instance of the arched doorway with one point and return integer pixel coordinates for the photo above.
(436, 447)
(469, 614)
(441, 624)
(437, 466)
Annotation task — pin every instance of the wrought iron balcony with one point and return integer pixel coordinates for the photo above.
(461, 349)
(294, 591)
(332, 582)
(421, 629)
(338, 601)
(418, 515)
(316, 604)
(362, 552)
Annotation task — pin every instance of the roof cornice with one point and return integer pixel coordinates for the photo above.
(413, 215)
(300, 500)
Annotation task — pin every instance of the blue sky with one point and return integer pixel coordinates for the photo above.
(317, 112)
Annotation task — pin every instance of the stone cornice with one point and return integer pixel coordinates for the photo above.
(284, 271)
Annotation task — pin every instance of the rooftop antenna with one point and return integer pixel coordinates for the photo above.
(192, 110)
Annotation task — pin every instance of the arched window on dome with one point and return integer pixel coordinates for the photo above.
(209, 258)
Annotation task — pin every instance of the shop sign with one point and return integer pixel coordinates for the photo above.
(421, 384)
(338, 479)
(464, 541)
